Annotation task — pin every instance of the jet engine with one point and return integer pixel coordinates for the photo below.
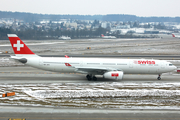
(114, 75)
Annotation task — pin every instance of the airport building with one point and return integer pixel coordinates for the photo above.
(71, 25)
(106, 25)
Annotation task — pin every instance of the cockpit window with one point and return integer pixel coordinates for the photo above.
(170, 64)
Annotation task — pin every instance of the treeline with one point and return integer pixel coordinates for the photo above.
(124, 18)
(30, 17)
(4, 32)
(34, 34)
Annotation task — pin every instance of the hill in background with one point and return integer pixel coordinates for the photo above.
(30, 17)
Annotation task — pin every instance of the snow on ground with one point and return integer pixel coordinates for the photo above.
(148, 95)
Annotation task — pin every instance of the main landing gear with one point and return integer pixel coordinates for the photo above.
(90, 77)
(159, 77)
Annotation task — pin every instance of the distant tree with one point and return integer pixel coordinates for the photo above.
(160, 26)
(95, 23)
(62, 25)
(4, 32)
(77, 33)
(118, 32)
(101, 30)
(136, 24)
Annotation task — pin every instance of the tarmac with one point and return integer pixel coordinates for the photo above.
(150, 46)
(26, 74)
(44, 113)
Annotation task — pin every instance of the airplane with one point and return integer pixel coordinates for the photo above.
(108, 37)
(65, 38)
(175, 36)
(113, 69)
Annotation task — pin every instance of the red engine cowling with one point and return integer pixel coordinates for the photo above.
(114, 75)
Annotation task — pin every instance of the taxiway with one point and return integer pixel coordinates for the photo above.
(41, 113)
(26, 74)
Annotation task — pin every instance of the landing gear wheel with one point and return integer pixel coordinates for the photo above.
(159, 78)
(89, 78)
(94, 78)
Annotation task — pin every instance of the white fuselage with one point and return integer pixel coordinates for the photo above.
(128, 66)
(109, 37)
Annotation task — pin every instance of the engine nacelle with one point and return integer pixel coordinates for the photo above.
(114, 75)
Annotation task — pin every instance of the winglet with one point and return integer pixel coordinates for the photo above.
(66, 56)
(67, 64)
(18, 45)
(173, 35)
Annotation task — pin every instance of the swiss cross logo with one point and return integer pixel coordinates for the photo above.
(18, 45)
(67, 64)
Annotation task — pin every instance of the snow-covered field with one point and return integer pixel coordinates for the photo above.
(148, 95)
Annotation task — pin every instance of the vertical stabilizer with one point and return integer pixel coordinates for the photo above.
(18, 45)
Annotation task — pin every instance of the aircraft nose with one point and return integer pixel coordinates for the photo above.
(175, 68)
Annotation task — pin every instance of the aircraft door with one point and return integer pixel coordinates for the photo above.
(40, 61)
(162, 65)
(130, 64)
(81, 63)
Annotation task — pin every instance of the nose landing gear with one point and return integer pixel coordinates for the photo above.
(159, 77)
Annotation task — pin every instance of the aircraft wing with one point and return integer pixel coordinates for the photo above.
(95, 70)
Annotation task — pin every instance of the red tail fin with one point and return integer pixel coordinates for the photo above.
(173, 35)
(18, 45)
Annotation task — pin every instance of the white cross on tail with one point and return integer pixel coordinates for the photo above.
(18, 45)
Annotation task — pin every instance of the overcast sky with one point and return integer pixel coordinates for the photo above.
(161, 8)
